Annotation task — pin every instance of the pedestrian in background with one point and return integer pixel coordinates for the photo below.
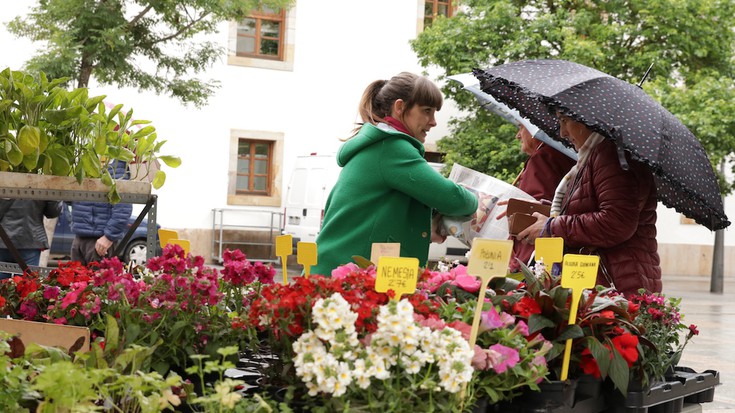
(22, 221)
(98, 226)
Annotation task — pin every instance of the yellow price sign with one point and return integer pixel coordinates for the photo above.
(397, 274)
(551, 250)
(306, 256)
(284, 247)
(488, 259)
(578, 272)
(384, 249)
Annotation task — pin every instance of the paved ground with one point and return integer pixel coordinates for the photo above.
(714, 347)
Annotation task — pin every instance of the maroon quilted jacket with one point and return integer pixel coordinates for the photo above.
(613, 213)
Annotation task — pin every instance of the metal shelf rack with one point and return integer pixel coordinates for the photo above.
(266, 221)
(29, 186)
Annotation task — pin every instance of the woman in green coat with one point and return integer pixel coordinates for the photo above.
(386, 191)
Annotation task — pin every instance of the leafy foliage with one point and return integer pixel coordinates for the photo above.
(45, 129)
(692, 57)
(149, 45)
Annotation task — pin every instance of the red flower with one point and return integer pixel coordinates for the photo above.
(693, 330)
(526, 306)
(588, 364)
(627, 345)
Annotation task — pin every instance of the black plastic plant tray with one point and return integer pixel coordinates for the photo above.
(669, 397)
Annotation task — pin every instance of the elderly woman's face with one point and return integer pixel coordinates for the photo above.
(573, 131)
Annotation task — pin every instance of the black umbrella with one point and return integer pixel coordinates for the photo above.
(622, 112)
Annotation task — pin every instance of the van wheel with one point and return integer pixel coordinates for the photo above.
(136, 252)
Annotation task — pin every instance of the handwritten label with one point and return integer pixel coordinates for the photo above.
(397, 274)
(489, 258)
(384, 249)
(579, 271)
(551, 250)
(306, 256)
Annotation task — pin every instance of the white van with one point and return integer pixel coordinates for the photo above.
(311, 182)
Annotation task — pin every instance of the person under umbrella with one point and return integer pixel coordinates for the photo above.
(542, 172)
(632, 151)
(603, 209)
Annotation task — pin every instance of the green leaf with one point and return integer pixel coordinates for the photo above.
(112, 333)
(15, 156)
(172, 161)
(60, 115)
(91, 164)
(619, 371)
(600, 353)
(106, 178)
(113, 196)
(132, 332)
(159, 179)
(30, 161)
(59, 164)
(29, 139)
(537, 322)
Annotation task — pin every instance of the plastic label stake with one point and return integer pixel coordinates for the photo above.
(306, 256)
(551, 250)
(397, 274)
(284, 247)
(488, 259)
(579, 272)
(387, 249)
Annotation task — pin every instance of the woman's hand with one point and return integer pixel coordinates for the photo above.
(529, 235)
(502, 214)
(436, 225)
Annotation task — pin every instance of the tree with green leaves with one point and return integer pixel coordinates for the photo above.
(687, 41)
(149, 44)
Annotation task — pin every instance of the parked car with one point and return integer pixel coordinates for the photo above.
(135, 250)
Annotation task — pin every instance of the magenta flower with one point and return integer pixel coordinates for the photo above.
(51, 292)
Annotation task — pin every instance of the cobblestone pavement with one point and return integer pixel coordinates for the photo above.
(714, 347)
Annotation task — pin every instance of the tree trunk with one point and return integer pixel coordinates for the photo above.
(718, 255)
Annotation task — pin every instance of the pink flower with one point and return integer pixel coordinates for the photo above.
(490, 320)
(501, 357)
(467, 282)
(344, 271)
(522, 328)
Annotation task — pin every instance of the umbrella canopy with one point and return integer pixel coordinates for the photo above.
(622, 112)
(471, 84)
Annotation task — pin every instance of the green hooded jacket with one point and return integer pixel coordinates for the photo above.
(385, 193)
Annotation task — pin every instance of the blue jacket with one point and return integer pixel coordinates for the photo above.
(95, 219)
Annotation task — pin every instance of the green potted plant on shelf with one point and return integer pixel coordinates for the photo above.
(49, 130)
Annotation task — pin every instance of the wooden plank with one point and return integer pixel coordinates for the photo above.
(46, 334)
(16, 180)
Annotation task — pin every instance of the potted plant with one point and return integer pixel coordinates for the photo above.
(48, 130)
